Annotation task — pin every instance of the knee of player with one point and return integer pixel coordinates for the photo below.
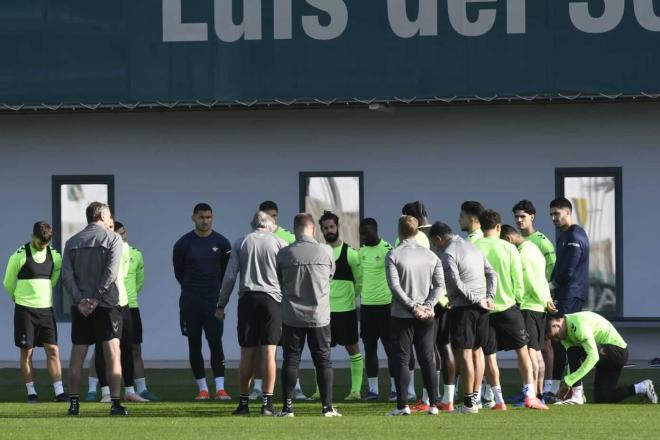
(52, 351)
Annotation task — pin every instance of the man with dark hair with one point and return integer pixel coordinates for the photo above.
(536, 301)
(524, 213)
(200, 259)
(375, 300)
(569, 282)
(468, 220)
(304, 270)
(346, 284)
(507, 326)
(593, 342)
(271, 208)
(259, 297)
(32, 272)
(415, 277)
(90, 271)
(471, 284)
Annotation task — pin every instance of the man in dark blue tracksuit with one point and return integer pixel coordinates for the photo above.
(570, 278)
(200, 259)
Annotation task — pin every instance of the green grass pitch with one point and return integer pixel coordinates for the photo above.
(177, 417)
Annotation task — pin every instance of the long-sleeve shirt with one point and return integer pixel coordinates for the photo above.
(505, 260)
(134, 280)
(469, 277)
(305, 270)
(547, 249)
(254, 257)
(35, 293)
(199, 267)
(537, 292)
(91, 265)
(589, 330)
(571, 273)
(415, 277)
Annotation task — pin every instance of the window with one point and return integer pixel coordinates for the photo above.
(71, 195)
(596, 197)
(339, 192)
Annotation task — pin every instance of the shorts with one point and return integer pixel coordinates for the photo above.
(344, 328)
(468, 327)
(137, 326)
(375, 322)
(506, 331)
(104, 324)
(34, 327)
(442, 320)
(535, 325)
(259, 320)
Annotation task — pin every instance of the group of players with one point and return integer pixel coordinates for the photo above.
(457, 302)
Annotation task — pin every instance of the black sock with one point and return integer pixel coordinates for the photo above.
(288, 405)
(467, 400)
(74, 399)
(327, 409)
(243, 400)
(115, 401)
(267, 400)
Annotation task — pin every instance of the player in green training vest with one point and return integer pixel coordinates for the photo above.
(345, 285)
(468, 220)
(592, 341)
(31, 274)
(375, 300)
(524, 212)
(536, 299)
(507, 326)
(271, 208)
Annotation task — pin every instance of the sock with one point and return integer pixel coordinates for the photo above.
(141, 384)
(288, 405)
(554, 387)
(92, 383)
(267, 400)
(58, 388)
(478, 395)
(257, 385)
(578, 391)
(448, 395)
(640, 388)
(243, 400)
(357, 368)
(497, 394)
(30, 388)
(487, 392)
(298, 387)
(529, 390)
(74, 399)
(547, 386)
(115, 401)
(411, 385)
(129, 390)
(392, 385)
(425, 396)
(105, 391)
(219, 383)
(467, 400)
(202, 385)
(475, 399)
(373, 385)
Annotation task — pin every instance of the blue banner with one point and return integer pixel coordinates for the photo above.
(209, 51)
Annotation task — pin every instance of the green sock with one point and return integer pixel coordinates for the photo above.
(357, 368)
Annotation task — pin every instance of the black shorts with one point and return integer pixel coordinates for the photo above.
(468, 327)
(344, 328)
(259, 320)
(506, 331)
(375, 322)
(535, 325)
(34, 327)
(104, 324)
(137, 325)
(442, 320)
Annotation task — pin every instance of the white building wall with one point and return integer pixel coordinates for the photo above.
(164, 163)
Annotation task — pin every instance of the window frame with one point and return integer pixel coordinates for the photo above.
(56, 185)
(616, 172)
